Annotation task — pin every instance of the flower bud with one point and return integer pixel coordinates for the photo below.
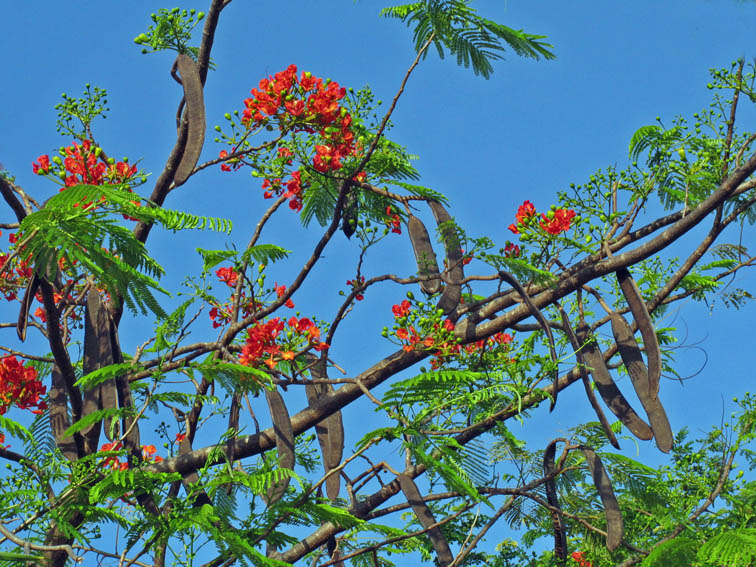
(410, 295)
(200, 16)
(227, 116)
(57, 160)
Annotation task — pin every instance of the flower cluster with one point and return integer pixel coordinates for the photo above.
(394, 221)
(418, 330)
(221, 314)
(555, 222)
(20, 386)
(84, 164)
(263, 343)
(579, 558)
(113, 462)
(301, 103)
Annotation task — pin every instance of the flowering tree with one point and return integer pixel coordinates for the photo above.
(480, 338)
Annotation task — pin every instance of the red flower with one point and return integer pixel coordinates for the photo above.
(43, 166)
(560, 222)
(401, 310)
(228, 276)
(578, 556)
(525, 211)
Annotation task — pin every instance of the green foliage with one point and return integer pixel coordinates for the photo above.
(77, 225)
(732, 548)
(171, 30)
(475, 41)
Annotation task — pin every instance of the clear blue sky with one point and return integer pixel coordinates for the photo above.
(526, 133)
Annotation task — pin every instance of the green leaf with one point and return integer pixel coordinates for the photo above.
(212, 258)
(94, 417)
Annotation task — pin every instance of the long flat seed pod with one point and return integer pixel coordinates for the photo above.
(614, 525)
(330, 431)
(608, 390)
(284, 442)
(575, 343)
(97, 354)
(23, 314)
(633, 360)
(560, 537)
(59, 422)
(123, 389)
(426, 519)
(643, 319)
(426, 258)
(195, 112)
(511, 280)
(453, 291)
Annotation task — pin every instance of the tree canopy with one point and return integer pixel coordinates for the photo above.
(232, 431)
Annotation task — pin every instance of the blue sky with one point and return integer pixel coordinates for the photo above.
(526, 133)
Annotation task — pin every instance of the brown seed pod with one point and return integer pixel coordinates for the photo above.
(453, 291)
(511, 280)
(284, 442)
(560, 537)
(608, 390)
(330, 431)
(633, 360)
(614, 524)
(195, 113)
(426, 519)
(59, 422)
(575, 343)
(424, 255)
(97, 354)
(640, 312)
(23, 314)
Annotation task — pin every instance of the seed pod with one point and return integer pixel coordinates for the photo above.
(633, 360)
(453, 291)
(97, 354)
(560, 537)
(350, 214)
(330, 431)
(59, 422)
(511, 280)
(426, 258)
(614, 524)
(640, 312)
(608, 390)
(575, 343)
(426, 519)
(195, 113)
(23, 314)
(284, 442)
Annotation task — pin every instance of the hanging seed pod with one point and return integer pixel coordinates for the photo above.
(284, 442)
(123, 389)
(330, 431)
(195, 113)
(453, 291)
(575, 343)
(426, 258)
(511, 280)
(59, 422)
(23, 314)
(97, 354)
(350, 215)
(614, 524)
(633, 360)
(560, 537)
(426, 519)
(608, 390)
(640, 312)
